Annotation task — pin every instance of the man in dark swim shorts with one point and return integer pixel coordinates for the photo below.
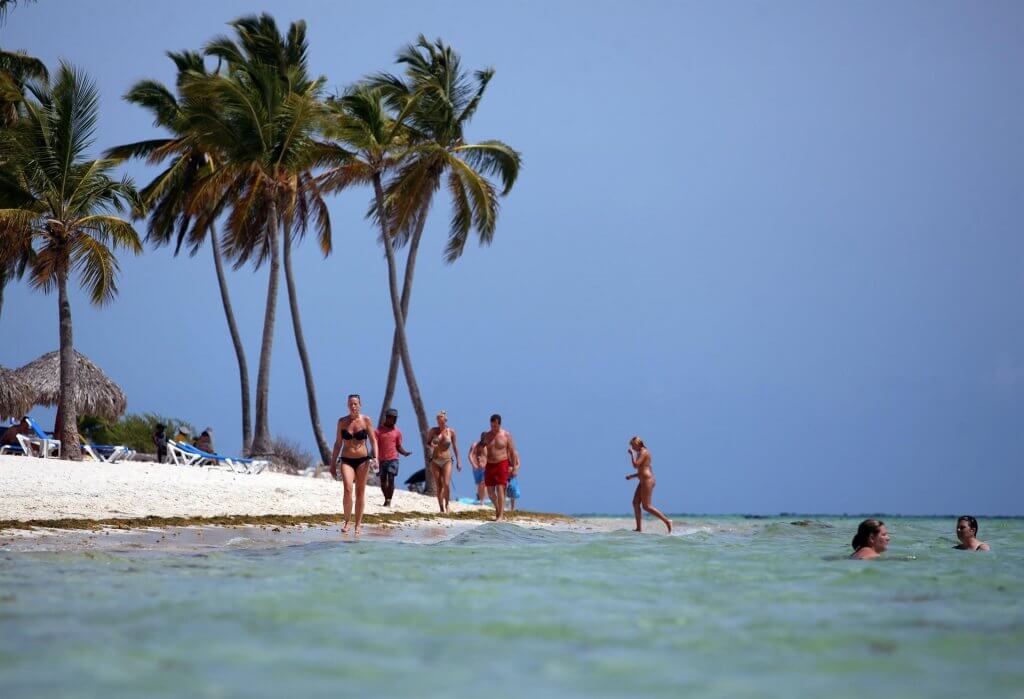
(501, 456)
(389, 439)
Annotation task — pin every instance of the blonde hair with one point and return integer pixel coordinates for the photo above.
(442, 413)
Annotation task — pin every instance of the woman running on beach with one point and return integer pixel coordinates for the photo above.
(353, 431)
(641, 458)
(441, 445)
(967, 533)
(871, 540)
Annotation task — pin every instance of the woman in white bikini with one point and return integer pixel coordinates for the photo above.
(441, 445)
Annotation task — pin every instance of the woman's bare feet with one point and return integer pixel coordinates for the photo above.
(344, 528)
(669, 525)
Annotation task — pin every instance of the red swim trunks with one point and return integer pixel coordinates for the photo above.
(496, 474)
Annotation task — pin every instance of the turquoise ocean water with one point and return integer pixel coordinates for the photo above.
(731, 607)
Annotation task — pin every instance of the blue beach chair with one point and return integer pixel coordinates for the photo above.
(190, 455)
(47, 445)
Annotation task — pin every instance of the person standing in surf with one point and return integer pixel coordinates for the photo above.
(640, 456)
(442, 445)
(353, 431)
(500, 455)
(389, 437)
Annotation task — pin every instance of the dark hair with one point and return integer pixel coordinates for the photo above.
(355, 395)
(496, 417)
(971, 522)
(867, 529)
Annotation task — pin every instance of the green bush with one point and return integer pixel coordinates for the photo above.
(133, 431)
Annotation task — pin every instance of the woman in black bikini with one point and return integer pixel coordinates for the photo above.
(353, 431)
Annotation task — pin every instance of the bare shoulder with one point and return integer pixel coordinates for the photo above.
(367, 421)
(984, 547)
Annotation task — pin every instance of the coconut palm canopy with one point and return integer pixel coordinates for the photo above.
(16, 396)
(96, 394)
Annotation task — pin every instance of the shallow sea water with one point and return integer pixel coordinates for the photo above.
(731, 607)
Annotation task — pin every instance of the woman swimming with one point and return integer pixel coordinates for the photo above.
(641, 458)
(441, 445)
(871, 539)
(353, 431)
(967, 532)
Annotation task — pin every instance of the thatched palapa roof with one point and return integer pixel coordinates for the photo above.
(96, 394)
(16, 396)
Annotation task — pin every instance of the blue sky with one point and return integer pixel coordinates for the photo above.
(781, 241)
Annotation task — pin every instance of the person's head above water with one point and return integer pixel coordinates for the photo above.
(967, 533)
(966, 527)
(871, 534)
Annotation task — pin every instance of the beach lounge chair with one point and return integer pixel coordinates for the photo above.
(106, 453)
(12, 449)
(47, 445)
(200, 457)
(182, 454)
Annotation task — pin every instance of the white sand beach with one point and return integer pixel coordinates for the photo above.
(51, 489)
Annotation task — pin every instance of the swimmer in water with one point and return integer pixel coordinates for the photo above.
(967, 532)
(871, 540)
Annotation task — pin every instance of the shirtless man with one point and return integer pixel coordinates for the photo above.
(499, 453)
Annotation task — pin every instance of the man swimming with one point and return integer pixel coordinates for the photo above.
(500, 455)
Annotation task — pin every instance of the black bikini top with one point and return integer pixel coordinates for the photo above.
(360, 435)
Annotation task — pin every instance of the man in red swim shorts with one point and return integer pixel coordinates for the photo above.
(499, 451)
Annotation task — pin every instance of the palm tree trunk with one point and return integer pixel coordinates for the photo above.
(399, 314)
(300, 343)
(3, 284)
(243, 366)
(410, 266)
(261, 445)
(68, 434)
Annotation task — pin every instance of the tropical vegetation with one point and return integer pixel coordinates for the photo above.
(249, 148)
(59, 208)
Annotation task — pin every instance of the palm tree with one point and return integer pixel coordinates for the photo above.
(378, 144)
(261, 115)
(16, 69)
(169, 196)
(63, 207)
(440, 99)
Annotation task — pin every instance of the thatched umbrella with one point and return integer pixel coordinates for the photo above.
(96, 394)
(16, 396)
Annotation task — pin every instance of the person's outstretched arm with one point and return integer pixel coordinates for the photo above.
(334, 454)
(455, 450)
(398, 445)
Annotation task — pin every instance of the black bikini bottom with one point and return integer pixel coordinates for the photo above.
(354, 461)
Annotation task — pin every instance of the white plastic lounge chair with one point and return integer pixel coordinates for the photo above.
(105, 453)
(12, 449)
(47, 445)
(182, 454)
(235, 463)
